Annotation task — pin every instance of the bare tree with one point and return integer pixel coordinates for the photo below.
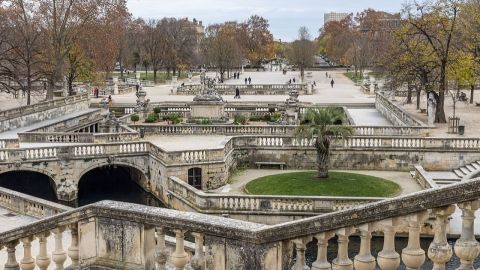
(302, 51)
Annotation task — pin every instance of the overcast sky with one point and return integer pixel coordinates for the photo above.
(285, 16)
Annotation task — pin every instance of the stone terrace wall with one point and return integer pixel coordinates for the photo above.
(395, 114)
(27, 115)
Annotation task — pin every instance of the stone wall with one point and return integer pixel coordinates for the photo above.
(24, 116)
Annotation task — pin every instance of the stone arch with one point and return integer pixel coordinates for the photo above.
(43, 185)
(115, 163)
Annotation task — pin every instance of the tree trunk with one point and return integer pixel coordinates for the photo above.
(155, 76)
(472, 89)
(323, 157)
(409, 94)
(419, 91)
(440, 112)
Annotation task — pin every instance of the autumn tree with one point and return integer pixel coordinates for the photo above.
(435, 25)
(257, 41)
(302, 51)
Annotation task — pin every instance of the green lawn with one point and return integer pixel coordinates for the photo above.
(338, 184)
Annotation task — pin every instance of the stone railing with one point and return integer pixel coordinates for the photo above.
(420, 175)
(42, 106)
(395, 114)
(208, 203)
(76, 137)
(8, 143)
(233, 130)
(195, 156)
(251, 89)
(28, 205)
(118, 235)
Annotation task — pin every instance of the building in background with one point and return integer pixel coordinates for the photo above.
(334, 17)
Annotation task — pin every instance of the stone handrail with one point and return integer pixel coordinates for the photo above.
(76, 137)
(232, 130)
(99, 231)
(28, 205)
(42, 106)
(208, 203)
(250, 89)
(420, 175)
(8, 143)
(395, 114)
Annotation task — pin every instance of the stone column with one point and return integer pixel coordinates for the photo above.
(342, 262)
(27, 262)
(364, 260)
(59, 256)
(73, 251)
(467, 248)
(388, 258)
(440, 251)
(179, 258)
(413, 256)
(300, 247)
(161, 253)
(43, 259)
(11, 263)
(322, 263)
(198, 261)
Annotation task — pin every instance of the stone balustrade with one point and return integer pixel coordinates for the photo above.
(211, 155)
(232, 130)
(250, 89)
(9, 143)
(420, 175)
(23, 204)
(129, 236)
(395, 114)
(202, 202)
(55, 137)
(40, 153)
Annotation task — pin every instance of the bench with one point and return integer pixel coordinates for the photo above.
(477, 104)
(260, 163)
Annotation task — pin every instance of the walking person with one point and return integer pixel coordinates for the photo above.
(326, 74)
(246, 81)
(332, 83)
(293, 80)
(249, 80)
(110, 101)
(137, 86)
(237, 93)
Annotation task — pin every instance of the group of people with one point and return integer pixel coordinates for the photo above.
(332, 82)
(248, 80)
(291, 80)
(236, 75)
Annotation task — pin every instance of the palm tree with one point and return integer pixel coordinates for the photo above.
(323, 125)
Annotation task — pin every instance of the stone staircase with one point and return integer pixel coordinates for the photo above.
(456, 175)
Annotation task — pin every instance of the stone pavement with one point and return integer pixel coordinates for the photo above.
(240, 179)
(344, 90)
(469, 114)
(368, 117)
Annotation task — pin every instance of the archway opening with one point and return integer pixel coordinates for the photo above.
(116, 183)
(195, 178)
(31, 183)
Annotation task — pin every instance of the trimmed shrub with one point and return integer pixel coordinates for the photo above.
(134, 118)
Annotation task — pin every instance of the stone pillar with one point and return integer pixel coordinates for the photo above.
(300, 247)
(440, 251)
(179, 258)
(27, 262)
(59, 256)
(198, 261)
(161, 253)
(364, 260)
(43, 259)
(115, 85)
(322, 263)
(11, 263)
(413, 256)
(388, 258)
(73, 251)
(467, 248)
(342, 262)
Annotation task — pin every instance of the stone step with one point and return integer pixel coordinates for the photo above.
(470, 168)
(476, 165)
(459, 173)
(444, 183)
(465, 170)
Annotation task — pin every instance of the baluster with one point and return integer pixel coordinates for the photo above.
(161, 253)
(179, 258)
(27, 262)
(364, 260)
(11, 263)
(388, 258)
(322, 263)
(300, 247)
(73, 251)
(59, 256)
(198, 261)
(440, 251)
(413, 256)
(342, 262)
(43, 259)
(467, 248)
